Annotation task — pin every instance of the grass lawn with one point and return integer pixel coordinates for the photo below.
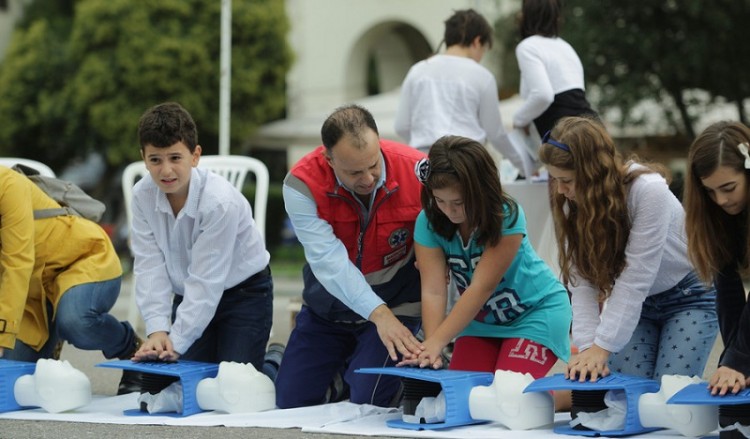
(287, 260)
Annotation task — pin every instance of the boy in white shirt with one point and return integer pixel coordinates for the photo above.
(203, 284)
(451, 93)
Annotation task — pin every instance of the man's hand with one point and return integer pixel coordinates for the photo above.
(395, 336)
(591, 362)
(158, 347)
(725, 380)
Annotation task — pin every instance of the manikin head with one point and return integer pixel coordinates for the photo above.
(55, 386)
(688, 420)
(503, 401)
(237, 388)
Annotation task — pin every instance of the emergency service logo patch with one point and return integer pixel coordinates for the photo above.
(394, 256)
(398, 237)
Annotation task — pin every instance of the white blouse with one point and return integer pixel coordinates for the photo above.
(656, 260)
(452, 95)
(549, 66)
(210, 246)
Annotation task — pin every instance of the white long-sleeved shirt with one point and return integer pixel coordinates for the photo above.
(548, 66)
(212, 245)
(452, 95)
(656, 260)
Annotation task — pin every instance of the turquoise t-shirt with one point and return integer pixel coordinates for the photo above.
(529, 302)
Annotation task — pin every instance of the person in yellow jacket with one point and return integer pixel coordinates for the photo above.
(59, 277)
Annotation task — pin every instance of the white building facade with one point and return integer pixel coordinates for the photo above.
(334, 41)
(341, 46)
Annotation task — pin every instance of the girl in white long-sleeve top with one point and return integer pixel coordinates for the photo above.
(638, 306)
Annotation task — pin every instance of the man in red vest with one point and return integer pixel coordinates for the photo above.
(352, 202)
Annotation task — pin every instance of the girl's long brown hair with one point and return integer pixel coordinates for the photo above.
(592, 231)
(456, 160)
(715, 238)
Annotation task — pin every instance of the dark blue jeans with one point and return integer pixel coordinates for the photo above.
(240, 327)
(675, 334)
(83, 320)
(319, 348)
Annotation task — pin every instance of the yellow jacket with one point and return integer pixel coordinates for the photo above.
(41, 259)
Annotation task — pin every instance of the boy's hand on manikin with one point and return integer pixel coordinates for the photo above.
(158, 347)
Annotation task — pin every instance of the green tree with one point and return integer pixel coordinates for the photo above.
(33, 113)
(78, 80)
(728, 57)
(507, 37)
(664, 50)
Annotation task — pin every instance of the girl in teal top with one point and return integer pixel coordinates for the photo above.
(512, 314)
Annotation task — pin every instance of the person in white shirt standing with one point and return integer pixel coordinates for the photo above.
(202, 279)
(552, 83)
(451, 93)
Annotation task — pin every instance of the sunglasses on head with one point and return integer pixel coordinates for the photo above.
(548, 139)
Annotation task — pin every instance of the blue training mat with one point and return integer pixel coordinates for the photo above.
(633, 386)
(189, 372)
(10, 371)
(456, 386)
(699, 394)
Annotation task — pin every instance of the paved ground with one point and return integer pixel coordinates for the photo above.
(104, 382)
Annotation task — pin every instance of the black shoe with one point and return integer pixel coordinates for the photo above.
(338, 390)
(272, 360)
(58, 350)
(275, 353)
(142, 382)
(130, 382)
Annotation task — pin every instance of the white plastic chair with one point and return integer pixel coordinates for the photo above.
(39, 166)
(232, 167)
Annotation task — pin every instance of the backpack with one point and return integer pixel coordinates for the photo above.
(73, 199)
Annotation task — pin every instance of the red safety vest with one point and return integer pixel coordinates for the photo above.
(387, 235)
(375, 243)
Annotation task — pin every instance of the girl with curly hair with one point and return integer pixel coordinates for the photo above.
(638, 306)
(716, 201)
(512, 312)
